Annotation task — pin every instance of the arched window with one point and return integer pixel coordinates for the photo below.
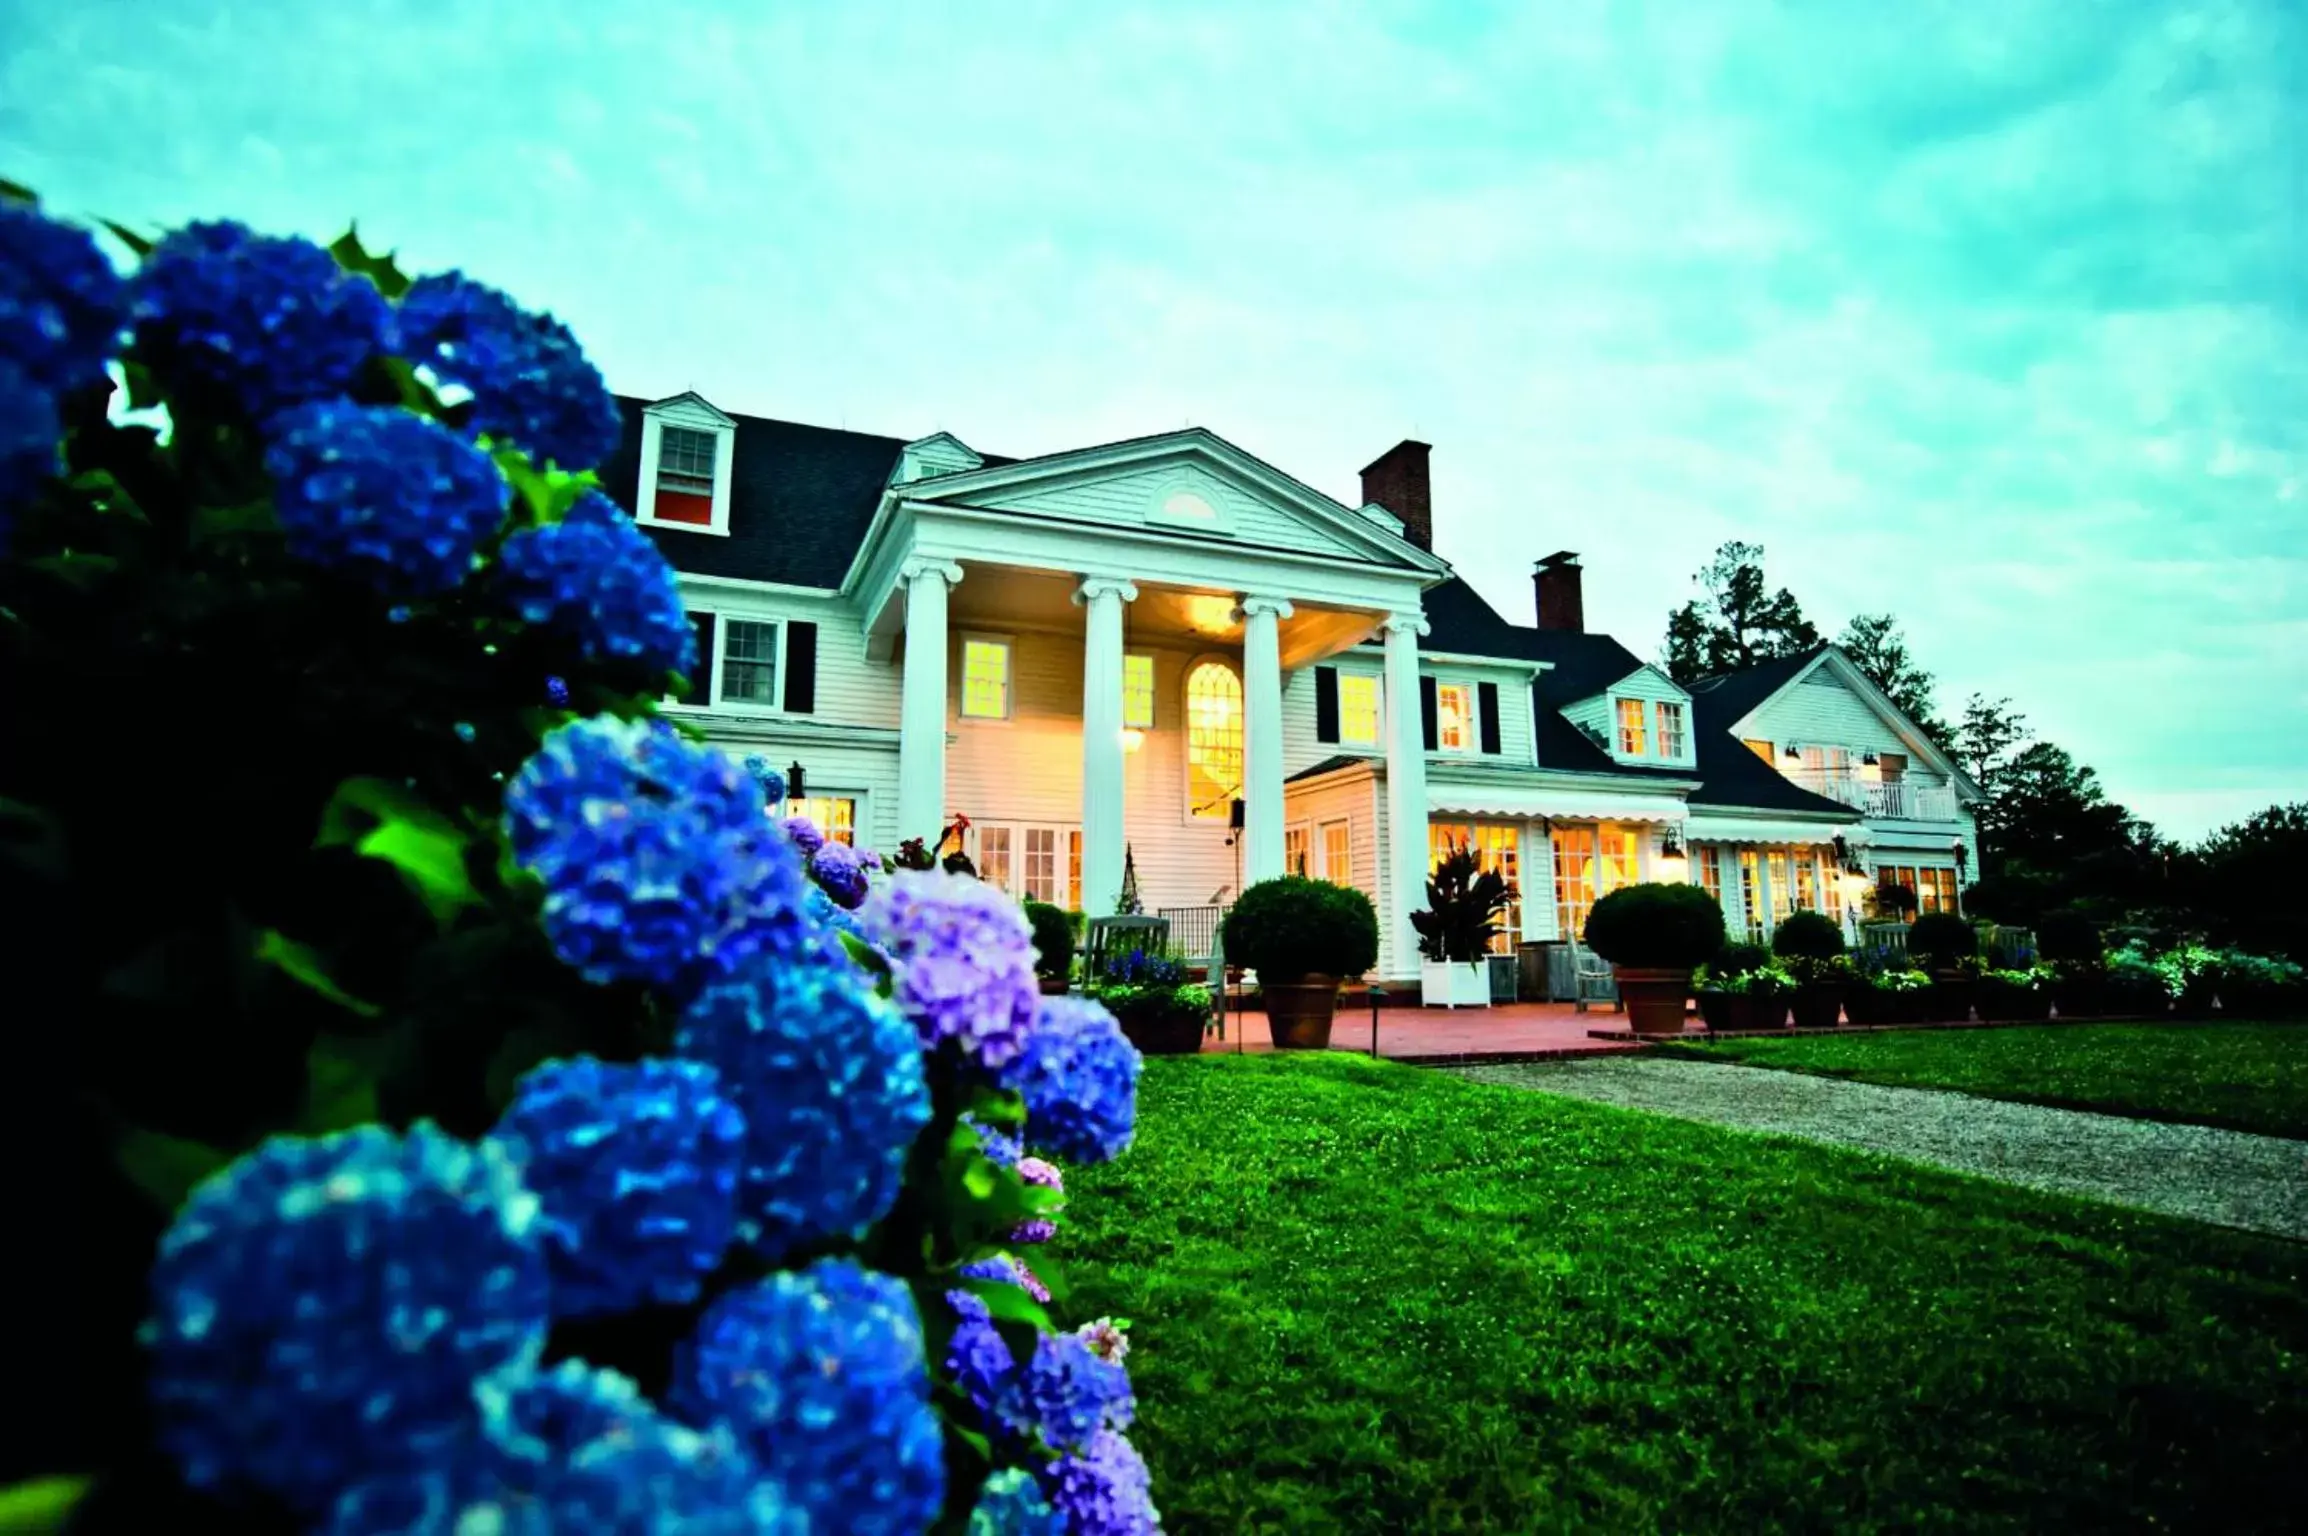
(1213, 740)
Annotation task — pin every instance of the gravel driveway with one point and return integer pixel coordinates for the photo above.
(2230, 1177)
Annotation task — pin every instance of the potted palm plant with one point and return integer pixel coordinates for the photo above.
(1464, 904)
(1161, 1011)
(1654, 934)
(1053, 947)
(1810, 946)
(1302, 937)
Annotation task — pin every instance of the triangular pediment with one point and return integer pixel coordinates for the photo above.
(1190, 483)
(689, 409)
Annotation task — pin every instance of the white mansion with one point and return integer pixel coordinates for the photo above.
(1168, 648)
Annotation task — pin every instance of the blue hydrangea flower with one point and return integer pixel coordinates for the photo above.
(530, 381)
(1001, 1148)
(28, 437)
(838, 870)
(829, 1080)
(962, 957)
(321, 1309)
(1064, 1394)
(658, 861)
(597, 577)
(636, 1169)
(833, 919)
(1079, 1077)
(821, 1375)
(61, 304)
(1105, 1491)
(557, 692)
(567, 1450)
(254, 321)
(383, 495)
(1011, 1503)
(771, 781)
(805, 835)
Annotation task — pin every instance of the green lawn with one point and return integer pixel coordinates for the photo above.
(1368, 1297)
(2250, 1077)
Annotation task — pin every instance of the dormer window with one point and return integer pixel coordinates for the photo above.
(1671, 739)
(1632, 733)
(685, 476)
(686, 453)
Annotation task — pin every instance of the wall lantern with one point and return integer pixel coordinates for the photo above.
(1793, 753)
(1671, 844)
(1962, 856)
(794, 786)
(1842, 850)
(1871, 760)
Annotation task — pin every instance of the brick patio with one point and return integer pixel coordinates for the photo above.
(1443, 1037)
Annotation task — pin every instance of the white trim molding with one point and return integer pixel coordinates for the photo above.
(693, 413)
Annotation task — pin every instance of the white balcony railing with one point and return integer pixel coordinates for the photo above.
(1907, 799)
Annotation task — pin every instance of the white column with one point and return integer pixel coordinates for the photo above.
(922, 701)
(1103, 820)
(1405, 790)
(1262, 736)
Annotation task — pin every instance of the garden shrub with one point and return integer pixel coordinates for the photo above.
(1942, 940)
(1738, 958)
(403, 979)
(2070, 936)
(1292, 927)
(1656, 925)
(1053, 940)
(1808, 936)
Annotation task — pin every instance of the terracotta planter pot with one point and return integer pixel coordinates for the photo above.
(1298, 1013)
(1818, 1007)
(1164, 1032)
(1949, 998)
(1654, 998)
(1751, 1012)
(1055, 986)
(1870, 1005)
(2013, 1005)
(1715, 1009)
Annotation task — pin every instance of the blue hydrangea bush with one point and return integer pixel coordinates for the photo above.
(469, 1106)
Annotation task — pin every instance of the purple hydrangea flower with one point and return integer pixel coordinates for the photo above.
(771, 781)
(531, 383)
(658, 862)
(1033, 1230)
(573, 1449)
(829, 1080)
(1062, 1396)
(1105, 1490)
(258, 323)
(1105, 1339)
(61, 304)
(597, 577)
(805, 835)
(28, 437)
(636, 1167)
(821, 1375)
(321, 1309)
(383, 495)
(1011, 1503)
(1078, 1074)
(962, 957)
(836, 867)
(1043, 1174)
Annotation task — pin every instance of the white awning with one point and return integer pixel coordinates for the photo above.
(1725, 829)
(1519, 802)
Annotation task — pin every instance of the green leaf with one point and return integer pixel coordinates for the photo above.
(128, 237)
(45, 1503)
(416, 394)
(341, 1079)
(222, 522)
(304, 964)
(867, 958)
(548, 493)
(76, 567)
(388, 821)
(143, 389)
(383, 271)
(997, 1106)
(166, 1167)
(17, 192)
(1006, 1303)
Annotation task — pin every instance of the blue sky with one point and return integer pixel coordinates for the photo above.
(1991, 314)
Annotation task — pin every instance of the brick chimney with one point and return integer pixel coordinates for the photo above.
(1397, 481)
(1561, 604)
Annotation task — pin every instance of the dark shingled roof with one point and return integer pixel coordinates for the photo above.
(1733, 775)
(800, 499)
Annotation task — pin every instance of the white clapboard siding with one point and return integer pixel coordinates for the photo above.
(1136, 495)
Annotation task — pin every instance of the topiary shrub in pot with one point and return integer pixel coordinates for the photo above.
(1947, 947)
(1810, 946)
(1654, 935)
(1053, 946)
(1302, 937)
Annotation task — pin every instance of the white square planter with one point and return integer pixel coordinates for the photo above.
(1454, 983)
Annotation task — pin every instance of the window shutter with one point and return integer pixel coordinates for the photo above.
(1426, 712)
(1487, 706)
(1326, 704)
(800, 668)
(701, 680)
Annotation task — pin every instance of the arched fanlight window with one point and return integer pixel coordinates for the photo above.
(1213, 739)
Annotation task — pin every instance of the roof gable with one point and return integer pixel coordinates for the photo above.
(1738, 698)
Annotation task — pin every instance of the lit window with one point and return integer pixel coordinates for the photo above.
(993, 858)
(1498, 849)
(1670, 729)
(834, 815)
(749, 662)
(1750, 882)
(1042, 865)
(1295, 844)
(1357, 709)
(1213, 740)
(1454, 710)
(1631, 727)
(986, 679)
(1761, 749)
(1338, 852)
(685, 463)
(1620, 861)
(1574, 879)
(1138, 692)
(1782, 893)
(1806, 881)
(1708, 863)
